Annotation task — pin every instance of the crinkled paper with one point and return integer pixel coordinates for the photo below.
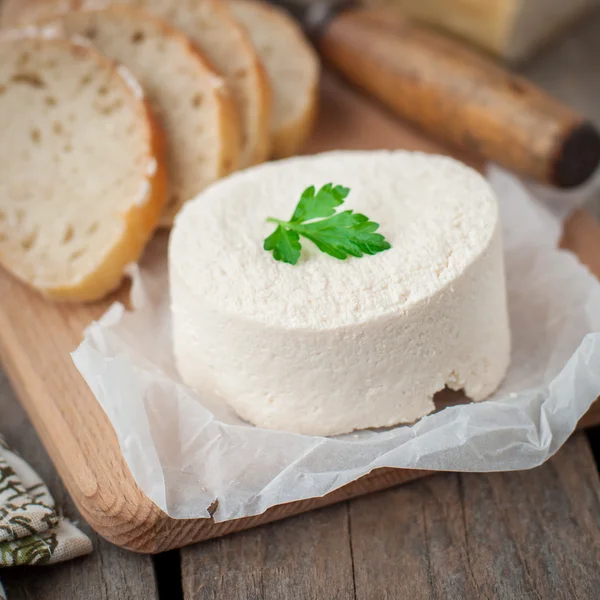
(185, 452)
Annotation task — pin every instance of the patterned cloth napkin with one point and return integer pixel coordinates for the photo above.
(31, 530)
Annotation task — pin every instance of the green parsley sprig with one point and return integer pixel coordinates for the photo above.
(338, 234)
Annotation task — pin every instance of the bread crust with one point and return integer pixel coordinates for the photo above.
(227, 118)
(258, 148)
(289, 137)
(140, 219)
(225, 154)
(16, 13)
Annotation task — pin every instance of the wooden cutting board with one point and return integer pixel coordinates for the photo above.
(36, 337)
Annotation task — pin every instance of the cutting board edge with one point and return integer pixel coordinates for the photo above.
(36, 336)
(149, 530)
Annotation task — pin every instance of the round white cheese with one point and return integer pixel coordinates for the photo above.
(329, 346)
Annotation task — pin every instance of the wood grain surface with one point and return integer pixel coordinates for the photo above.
(37, 336)
(309, 557)
(106, 574)
(510, 536)
(513, 536)
(545, 522)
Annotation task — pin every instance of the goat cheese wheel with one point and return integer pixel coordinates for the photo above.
(329, 346)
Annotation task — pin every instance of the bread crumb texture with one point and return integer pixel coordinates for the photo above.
(77, 145)
(199, 121)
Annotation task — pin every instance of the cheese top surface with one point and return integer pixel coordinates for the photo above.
(438, 215)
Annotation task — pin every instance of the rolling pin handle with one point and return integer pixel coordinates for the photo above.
(579, 156)
(459, 96)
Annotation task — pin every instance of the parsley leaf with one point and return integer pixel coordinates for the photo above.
(321, 205)
(339, 235)
(284, 244)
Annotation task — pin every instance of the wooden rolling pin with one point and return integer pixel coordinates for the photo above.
(454, 93)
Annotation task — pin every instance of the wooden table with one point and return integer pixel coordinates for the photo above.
(533, 534)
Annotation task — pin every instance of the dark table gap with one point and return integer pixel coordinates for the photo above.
(593, 435)
(167, 568)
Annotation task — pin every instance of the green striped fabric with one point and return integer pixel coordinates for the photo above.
(32, 532)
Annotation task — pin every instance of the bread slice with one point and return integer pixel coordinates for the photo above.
(15, 13)
(196, 112)
(210, 25)
(214, 30)
(82, 179)
(292, 67)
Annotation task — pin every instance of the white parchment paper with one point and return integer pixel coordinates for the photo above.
(186, 453)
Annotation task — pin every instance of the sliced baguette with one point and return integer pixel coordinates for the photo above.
(210, 25)
(196, 113)
(16, 13)
(82, 179)
(292, 66)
